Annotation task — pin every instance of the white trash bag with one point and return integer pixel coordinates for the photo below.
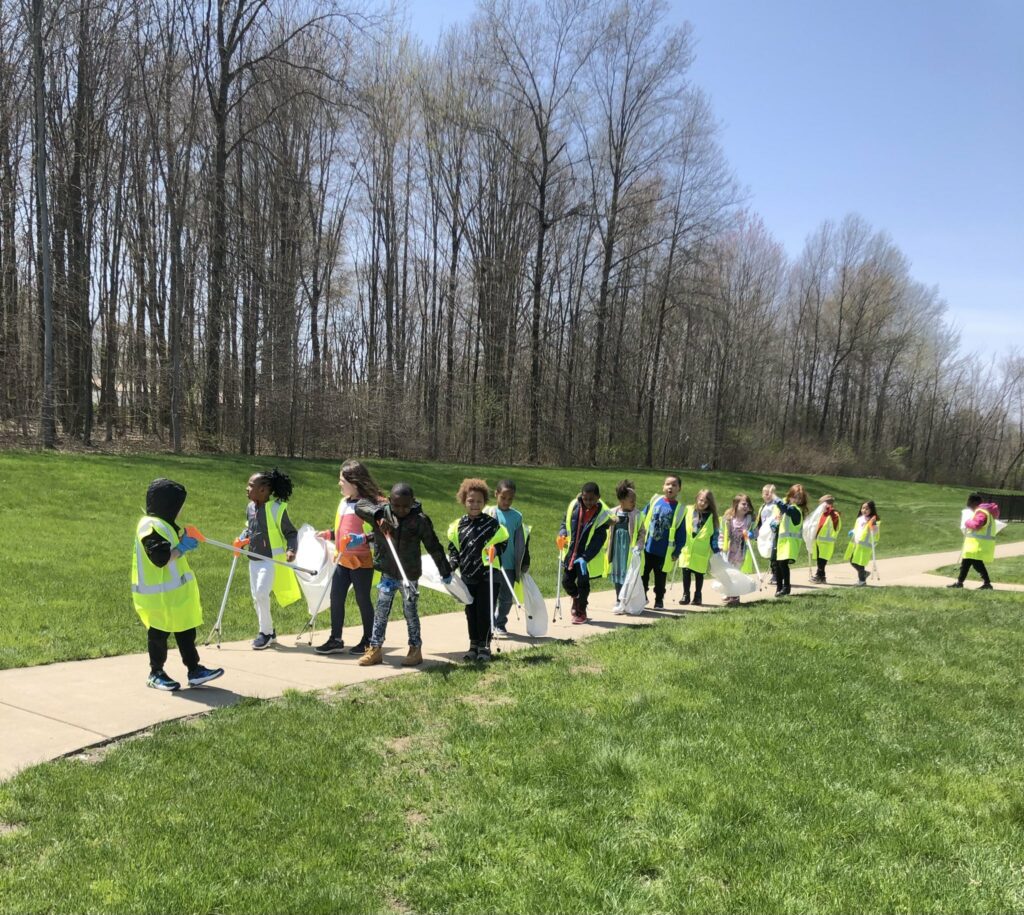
(535, 608)
(810, 528)
(729, 580)
(313, 553)
(430, 577)
(764, 540)
(632, 598)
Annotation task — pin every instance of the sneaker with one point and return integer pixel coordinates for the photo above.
(373, 655)
(618, 609)
(414, 657)
(360, 648)
(331, 646)
(500, 632)
(987, 586)
(684, 600)
(659, 605)
(160, 680)
(697, 602)
(863, 583)
(202, 675)
(483, 653)
(264, 641)
(818, 579)
(472, 652)
(580, 618)
(956, 584)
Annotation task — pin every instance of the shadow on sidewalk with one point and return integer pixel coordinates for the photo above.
(208, 696)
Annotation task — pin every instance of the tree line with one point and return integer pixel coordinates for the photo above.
(292, 228)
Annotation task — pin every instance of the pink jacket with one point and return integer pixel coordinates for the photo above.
(979, 520)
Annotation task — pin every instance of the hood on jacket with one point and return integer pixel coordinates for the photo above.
(164, 499)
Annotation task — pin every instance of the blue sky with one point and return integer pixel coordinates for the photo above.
(910, 113)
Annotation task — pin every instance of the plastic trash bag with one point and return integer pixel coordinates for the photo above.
(430, 577)
(632, 598)
(313, 553)
(764, 540)
(810, 528)
(728, 579)
(535, 608)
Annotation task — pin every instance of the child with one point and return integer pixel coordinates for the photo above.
(825, 539)
(164, 589)
(623, 536)
(583, 534)
(400, 519)
(786, 524)
(470, 539)
(979, 541)
(865, 533)
(663, 519)
(516, 559)
(269, 532)
(738, 526)
(766, 513)
(702, 532)
(355, 564)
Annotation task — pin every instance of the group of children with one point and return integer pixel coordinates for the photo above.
(382, 537)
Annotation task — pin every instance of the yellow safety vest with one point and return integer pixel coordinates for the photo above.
(697, 551)
(790, 536)
(825, 539)
(677, 516)
(981, 544)
(165, 598)
(598, 566)
(286, 586)
(858, 551)
(499, 536)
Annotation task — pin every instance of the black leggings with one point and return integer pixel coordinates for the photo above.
(781, 569)
(186, 640)
(360, 581)
(821, 566)
(698, 583)
(478, 613)
(967, 564)
(654, 563)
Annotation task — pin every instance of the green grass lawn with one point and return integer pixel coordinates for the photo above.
(67, 523)
(1009, 570)
(847, 751)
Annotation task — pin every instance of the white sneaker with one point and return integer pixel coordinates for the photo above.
(617, 609)
(500, 633)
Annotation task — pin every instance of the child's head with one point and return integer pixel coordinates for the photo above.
(670, 488)
(164, 499)
(625, 492)
(868, 509)
(356, 481)
(974, 500)
(768, 492)
(741, 506)
(705, 502)
(504, 494)
(797, 495)
(401, 499)
(473, 495)
(827, 500)
(590, 494)
(267, 483)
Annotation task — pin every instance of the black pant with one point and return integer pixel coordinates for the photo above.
(360, 581)
(577, 586)
(781, 569)
(967, 564)
(186, 640)
(698, 583)
(653, 563)
(862, 573)
(478, 613)
(821, 567)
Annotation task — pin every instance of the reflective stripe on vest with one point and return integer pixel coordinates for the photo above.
(989, 525)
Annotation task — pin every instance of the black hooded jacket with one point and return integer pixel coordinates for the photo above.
(408, 535)
(164, 500)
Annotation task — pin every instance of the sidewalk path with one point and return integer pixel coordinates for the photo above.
(57, 709)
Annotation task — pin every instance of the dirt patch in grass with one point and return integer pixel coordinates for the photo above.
(10, 829)
(415, 818)
(594, 669)
(478, 701)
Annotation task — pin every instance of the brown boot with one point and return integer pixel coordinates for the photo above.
(414, 657)
(374, 655)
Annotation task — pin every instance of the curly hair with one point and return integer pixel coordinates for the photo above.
(472, 484)
(280, 484)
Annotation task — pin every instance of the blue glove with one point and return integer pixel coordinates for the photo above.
(447, 580)
(581, 566)
(187, 543)
(355, 540)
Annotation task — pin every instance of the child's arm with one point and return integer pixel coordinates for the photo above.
(429, 540)
(291, 535)
(157, 549)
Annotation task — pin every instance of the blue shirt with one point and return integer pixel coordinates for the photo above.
(511, 520)
(660, 524)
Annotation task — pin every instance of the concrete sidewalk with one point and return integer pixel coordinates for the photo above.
(57, 709)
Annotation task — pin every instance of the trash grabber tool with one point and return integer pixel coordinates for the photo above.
(223, 604)
(490, 590)
(753, 559)
(512, 591)
(310, 624)
(406, 584)
(560, 549)
(194, 531)
(874, 560)
(672, 577)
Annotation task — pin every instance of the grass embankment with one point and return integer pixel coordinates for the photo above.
(1009, 571)
(67, 522)
(850, 751)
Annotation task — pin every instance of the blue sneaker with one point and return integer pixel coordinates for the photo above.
(202, 675)
(160, 680)
(264, 641)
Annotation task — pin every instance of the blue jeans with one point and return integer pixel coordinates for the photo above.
(385, 598)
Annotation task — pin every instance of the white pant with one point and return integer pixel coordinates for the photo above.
(261, 582)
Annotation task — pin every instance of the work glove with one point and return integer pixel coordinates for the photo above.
(561, 541)
(187, 543)
(355, 540)
(447, 580)
(581, 567)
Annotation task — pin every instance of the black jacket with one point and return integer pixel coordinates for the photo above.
(413, 531)
(164, 500)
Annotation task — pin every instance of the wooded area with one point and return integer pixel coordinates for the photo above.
(290, 228)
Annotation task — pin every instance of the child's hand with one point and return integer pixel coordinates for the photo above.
(239, 544)
(581, 567)
(561, 541)
(325, 535)
(290, 556)
(355, 540)
(187, 543)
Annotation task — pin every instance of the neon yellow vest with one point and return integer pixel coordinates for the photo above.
(677, 517)
(165, 598)
(747, 567)
(981, 544)
(499, 536)
(825, 540)
(790, 537)
(858, 551)
(598, 566)
(286, 586)
(697, 551)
